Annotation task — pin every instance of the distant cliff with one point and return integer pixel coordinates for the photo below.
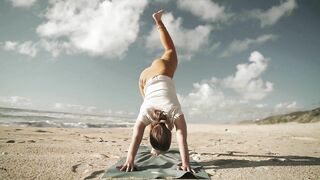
(299, 117)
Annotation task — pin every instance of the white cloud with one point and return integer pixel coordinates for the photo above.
(161, 1)
(286, 105)
(261, 105)
(16, 101)
(205, 9)
(183, 38)
(75, 108)
(30, 48)
(23, 3)
(238, 46)
(56, 47)
(208, 101)
(27, 48)
(118, 113)
(230, 98)
(94, 27)
(292, 105)
(275, 13)
(204, 97)
(246, 80)
(10, 45)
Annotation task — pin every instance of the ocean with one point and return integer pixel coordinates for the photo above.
(38, 118)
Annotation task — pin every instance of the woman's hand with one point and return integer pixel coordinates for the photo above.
(128, 167)
(186, 168)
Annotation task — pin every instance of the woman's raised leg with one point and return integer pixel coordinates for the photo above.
(166, 41)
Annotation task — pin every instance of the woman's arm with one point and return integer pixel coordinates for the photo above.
(181, 128)
(141, 87)
(133, 148)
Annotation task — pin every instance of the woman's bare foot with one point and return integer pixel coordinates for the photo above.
(157, 15)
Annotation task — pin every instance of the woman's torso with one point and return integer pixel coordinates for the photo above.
(160, 94)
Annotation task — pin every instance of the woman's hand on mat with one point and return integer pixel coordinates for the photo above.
(128, 167)
(186, 168)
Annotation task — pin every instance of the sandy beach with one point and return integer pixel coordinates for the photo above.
(284, 151)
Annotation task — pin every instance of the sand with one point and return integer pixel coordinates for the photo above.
(285, 151)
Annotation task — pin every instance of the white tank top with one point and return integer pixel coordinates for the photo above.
(160, 93)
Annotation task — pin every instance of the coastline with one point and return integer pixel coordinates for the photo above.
(228, 151)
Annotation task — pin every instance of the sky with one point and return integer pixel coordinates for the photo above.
(238, 60)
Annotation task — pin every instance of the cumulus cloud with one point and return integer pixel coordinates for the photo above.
(208, 101)
(230, 98)
(94, 27)
(205, 9)
(274, 14)
(247, 81)
(183, 38)
(238, 46)
(97, 28)
(23, 3)
(204, 97)
(27, 48)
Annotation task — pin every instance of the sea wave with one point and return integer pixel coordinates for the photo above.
(36, 118)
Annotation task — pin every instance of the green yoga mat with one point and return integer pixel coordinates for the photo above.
(152, 167)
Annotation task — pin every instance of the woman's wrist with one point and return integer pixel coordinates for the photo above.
(185, 163)
(130, 159)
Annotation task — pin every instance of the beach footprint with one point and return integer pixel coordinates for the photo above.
(87, 171)
(42, 131)
(95, 174)
(82, 168)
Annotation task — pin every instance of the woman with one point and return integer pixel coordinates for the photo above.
(161, 108)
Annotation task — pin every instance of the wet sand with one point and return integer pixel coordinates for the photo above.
(284, 151)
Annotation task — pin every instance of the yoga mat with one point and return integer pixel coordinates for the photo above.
(152, 167)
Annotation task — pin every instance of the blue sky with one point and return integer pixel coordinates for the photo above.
(238, 60)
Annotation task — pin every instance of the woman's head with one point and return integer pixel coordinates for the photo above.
(160, 135)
